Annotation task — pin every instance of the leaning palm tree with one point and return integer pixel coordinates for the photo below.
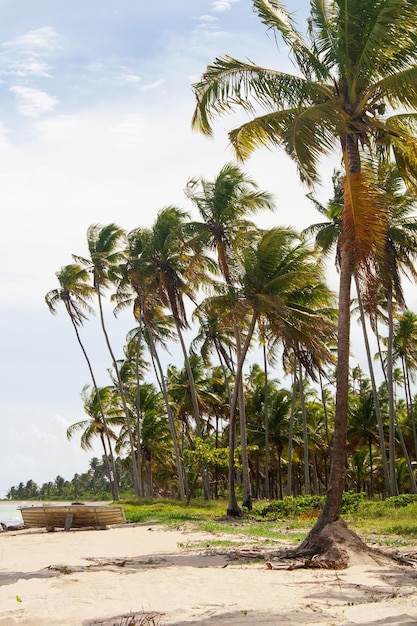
(75, 291)
(154, 326)
(174, 269)
(360, 60)
(105, 255)
(224, 205)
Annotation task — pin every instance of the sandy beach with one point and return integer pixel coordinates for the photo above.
(86, 577)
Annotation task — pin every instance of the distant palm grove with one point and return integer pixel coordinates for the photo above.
(241, 303)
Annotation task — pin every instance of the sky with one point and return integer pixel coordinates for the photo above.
(95, 111)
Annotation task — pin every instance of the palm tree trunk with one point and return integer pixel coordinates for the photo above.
(393, 491)
(333, 503)
(288, 490)
(307, 486)
(233, 507)
(136, 481)
(113, 475)
(138, 409)
(379, 418)
(247, 494)
(266, 422)
(161, 380)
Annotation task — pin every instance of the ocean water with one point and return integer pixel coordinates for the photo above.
(10, 512)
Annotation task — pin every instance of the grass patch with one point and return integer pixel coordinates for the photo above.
(391, 521)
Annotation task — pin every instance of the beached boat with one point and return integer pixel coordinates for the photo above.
(72, 516)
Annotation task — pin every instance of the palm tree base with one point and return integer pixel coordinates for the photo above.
(334, 543)
(235, 511)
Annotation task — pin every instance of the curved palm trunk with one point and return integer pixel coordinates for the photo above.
(161, 380)
(135, 472)
(379, 418)
(196, 408)
(138, 410)
(110, 461)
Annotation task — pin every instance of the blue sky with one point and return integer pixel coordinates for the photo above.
(95, 110)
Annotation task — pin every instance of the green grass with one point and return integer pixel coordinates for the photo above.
(391, 521)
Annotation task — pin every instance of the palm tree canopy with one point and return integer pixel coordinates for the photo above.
(167, 265)
(105, 253)
(358, 62)
(75, 291)
(224, 204)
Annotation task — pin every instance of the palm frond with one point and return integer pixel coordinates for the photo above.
(304, 133)
(274, 16)
(229, 83)
(389, 41)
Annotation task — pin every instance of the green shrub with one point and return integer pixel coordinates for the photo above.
(304, 505)
(402, 500)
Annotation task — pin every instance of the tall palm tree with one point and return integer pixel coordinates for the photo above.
(361, 59)
(277, 270)
(75, 292)
(224, 205)
(175, 269)
(154, 325)
(105, 256)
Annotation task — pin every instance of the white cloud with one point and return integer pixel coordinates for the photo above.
(22, 56)
(222, 5)
(33, 102)
(40, 42)
(207, 18)
(152, 86)
(130, 78)
(29, 67)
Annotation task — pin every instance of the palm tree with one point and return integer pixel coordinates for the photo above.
(277, 270)
(96, 403)
(223, 205)
(155, 436)
(105, 255)
(361, 59)
(153, 324)
(175, 269)
(75, 291)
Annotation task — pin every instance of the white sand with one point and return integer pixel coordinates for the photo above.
(83, 577)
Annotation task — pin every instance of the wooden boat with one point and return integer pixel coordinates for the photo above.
(72, 516)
